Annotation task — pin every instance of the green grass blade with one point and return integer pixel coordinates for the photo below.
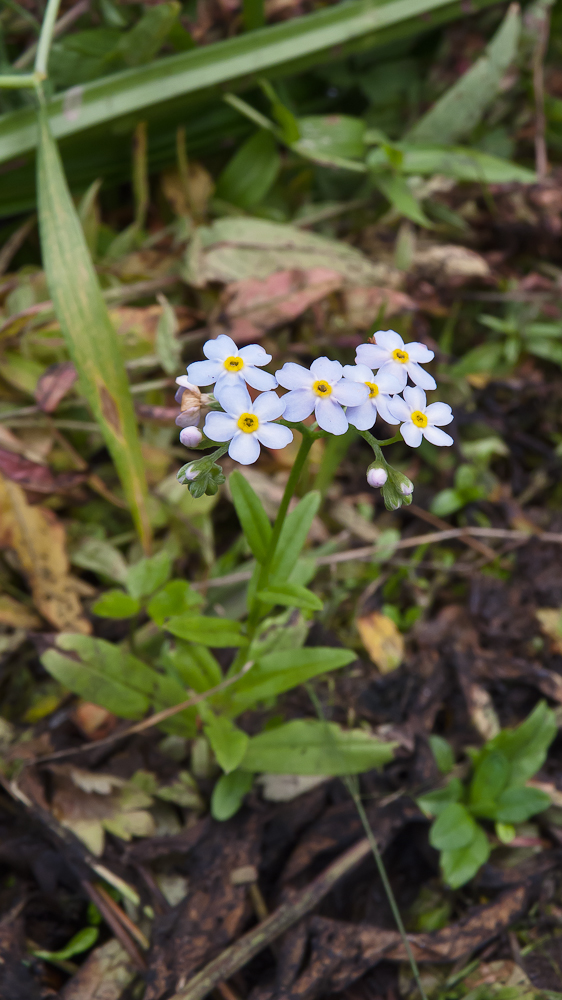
(166, 87)
(85, 324)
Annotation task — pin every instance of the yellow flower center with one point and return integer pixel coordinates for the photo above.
(401, 356)
(419, 418)
(373, 389)
(248, 423)
(233, 364)
(322, 388)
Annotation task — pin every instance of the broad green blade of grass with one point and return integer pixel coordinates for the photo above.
(86, 326)
(167, 86)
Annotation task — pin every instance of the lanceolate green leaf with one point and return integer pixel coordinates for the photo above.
(86, 326)
(166, 86)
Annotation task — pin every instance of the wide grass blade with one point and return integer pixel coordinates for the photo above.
(86, 326)
(166, 87)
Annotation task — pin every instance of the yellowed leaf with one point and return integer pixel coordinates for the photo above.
(16, 614)
(200, 188)
(382, 640)
(550, 620)
(39, 541)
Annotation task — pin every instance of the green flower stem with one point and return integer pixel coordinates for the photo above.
(15, 81)
(46, 38)
(333, 454)
(377, 445)
(294, 476)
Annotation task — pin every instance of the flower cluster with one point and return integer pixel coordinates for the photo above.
(376, 385)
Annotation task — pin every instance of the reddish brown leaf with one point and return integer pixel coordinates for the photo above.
(252, 306)
(54, 384)
(33, 476)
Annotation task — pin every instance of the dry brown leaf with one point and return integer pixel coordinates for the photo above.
(253, 305)
(481, 710)
(54, 384)
(17, 615)
(550, 620)
(104, 975)
(200, 188)
(382, 640)
(39, 541)
(502, 973)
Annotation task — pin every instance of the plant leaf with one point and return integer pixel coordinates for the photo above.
(86, 326)
(443, 753)
(453, 828)
(174, 599)
(214, 632)
(252, 516)
(229, 743)
(460, 865)
(250, 173)
(308, 746)
(293, 537)
(515, 805)
(434, 803)
(290, 595)
(278, 672)
(526, 746)
(116, 604)
(229, 792)
(148, 574)
(456, 113)
(397, 191)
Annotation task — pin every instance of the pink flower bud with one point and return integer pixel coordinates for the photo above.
(191, 437)
(377, 476)
(407, 488)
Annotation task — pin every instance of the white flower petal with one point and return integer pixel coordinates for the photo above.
(415, 398)
(292, 376)
(389, 340)
(274, 435)
(397, 371)
(258, 379)
(419, 352)
(244, 448)
(184, 381)
(350, 393)
(399, 409)
(419, 376)
(220, 426)
(269, 406)
(204, 372)
(220, 348)
(323, 368)
(438, 437)
(299, 403)
(371, 355)
(383, 404)
(439, 413)
(189, 418)
(388, 381)
(233, 397)
(357, 373)
(412, 435)
(330, 416)
(254, 354)
(362, 417)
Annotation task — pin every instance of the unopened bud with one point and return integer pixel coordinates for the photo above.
(191, 437)
(407, 488)
(189, 473)
(376, 476)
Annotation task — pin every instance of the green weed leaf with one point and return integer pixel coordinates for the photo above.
(175, 598)
(293, 537)
(116, 604)
(214, 632)
(433, 803)
(290, 595)
(443, 753)
(454, 828)
(229, 743)
(252, 516)
(229, 792)
(148, 574)
(460, 865)
(515, 805)
(308, 746)
(250, 173)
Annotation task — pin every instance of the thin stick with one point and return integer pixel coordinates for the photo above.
(250, 944)
(114, 922)
(352, 785)
(140, 727)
